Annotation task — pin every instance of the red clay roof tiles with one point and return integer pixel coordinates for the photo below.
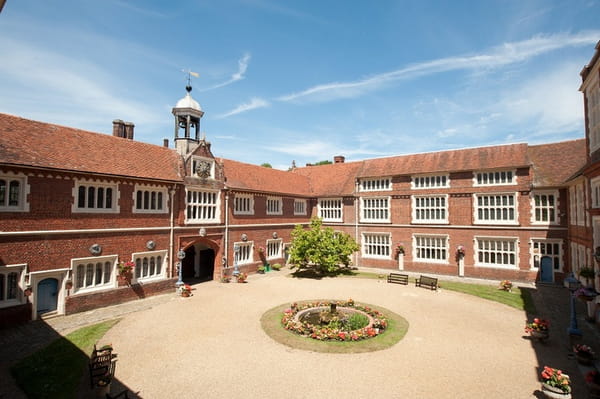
(555, 163)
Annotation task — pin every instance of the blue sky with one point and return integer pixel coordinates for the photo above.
(303, 81)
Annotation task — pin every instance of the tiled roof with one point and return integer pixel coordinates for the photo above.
(555, 163)
(37, 144)
(331, 180)
(244, 176)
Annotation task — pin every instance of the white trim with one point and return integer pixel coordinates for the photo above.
(155, 277)
(476, 263)
(279, 248)
(304, 205)
(387, 210)
(381, 181)
(151, 189)
(112, 283)
(364, 245)
(492, 173)
(24, 191)
(515, 207)
(274, 200)
(115, 197)
(20, 268)
(250, 245)
(433, 185)
(216, 205)
(414, 219)
(331, 209)
(553, 193)
(249, 197)
(446, 248)
(553, 241)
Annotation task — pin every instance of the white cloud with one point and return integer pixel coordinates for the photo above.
(254, 103)
(239, 75)
(505, 54)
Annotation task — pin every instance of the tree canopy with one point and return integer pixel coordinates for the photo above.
(323, 250)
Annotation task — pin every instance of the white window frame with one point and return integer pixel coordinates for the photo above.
(300, 206)
(195, 162)
(479, 240)
(243, 204)
(378, 213)
(273, 248)
(431, 209)
(438, 248)
(149, 255)
(245, 255)
(161, 199)
(5, 270)
(424, 182)
(274, 205)
(380, 248)
(595, 189)
(115, 196)
(329, 210)
(212, 208)
(514, 207)
(375, 184)
(551, 209)
(494, 178)
(106, 284)
(23, 193)
(539, 249)
(592, 94)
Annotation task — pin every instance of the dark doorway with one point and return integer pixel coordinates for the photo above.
(188, 263)
(207, 264)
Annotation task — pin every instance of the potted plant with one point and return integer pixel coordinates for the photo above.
(225, 278)
(186, 290)
(261, 270)
(400, 249)
(539, 328)
(460, 251)
(505, 285)
(555, 384)
(276, 266)
(585, 294)
(241, 278)
(584, 354)
(125, 271)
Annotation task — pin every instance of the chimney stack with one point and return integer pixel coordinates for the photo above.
(129, 130)
(339, 159)
(166, 143)
(118, 128)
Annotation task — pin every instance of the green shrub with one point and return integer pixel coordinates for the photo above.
(276, 266)
(356, 321)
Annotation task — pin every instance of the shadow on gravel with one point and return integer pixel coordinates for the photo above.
(317, 275)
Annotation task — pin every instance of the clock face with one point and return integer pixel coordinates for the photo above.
(203, 169)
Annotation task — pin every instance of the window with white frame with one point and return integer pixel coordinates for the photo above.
(431, 248)
(299, 207)
(379, 184)
(495, 208)
(243, 204)
(13, 193)
(375, 209)
(551, 248)
(96, 197)
(10, 284)
(495, 178)
(203, 167)
(274, 206)
(580, 204)
(149, 265)
(595, 183)
(592, 94)
(430, 209)
(430, 181)
(544, 207)
(496, 252)
(202, 206)
(376, 245)
(274, 248)
(93, 273)
(243, 252)
(150, 199)
(330, 210)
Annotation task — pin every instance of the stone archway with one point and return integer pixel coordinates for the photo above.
(199, 261)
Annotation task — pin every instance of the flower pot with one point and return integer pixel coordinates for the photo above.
(540, 335)
(185, 294)
(584, 358)
(552, 392)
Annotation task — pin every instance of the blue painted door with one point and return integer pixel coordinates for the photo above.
(47, 295)
(547, 274)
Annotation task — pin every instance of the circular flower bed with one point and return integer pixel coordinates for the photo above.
(334, 320)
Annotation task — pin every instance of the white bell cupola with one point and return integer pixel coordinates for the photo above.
(187, 114)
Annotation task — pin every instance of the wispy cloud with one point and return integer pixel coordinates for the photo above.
(239, 75)
(254, 103)
(505, 54)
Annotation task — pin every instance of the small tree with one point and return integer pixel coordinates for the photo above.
(266, 165)
(320, 249)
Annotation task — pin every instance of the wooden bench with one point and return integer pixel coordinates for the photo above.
(102, 365)
(397, 278)
(425, 281)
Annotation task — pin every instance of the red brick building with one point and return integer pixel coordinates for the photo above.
(74, 206)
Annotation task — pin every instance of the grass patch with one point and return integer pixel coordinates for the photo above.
(519, 298)
(56, 370)
(397, 328)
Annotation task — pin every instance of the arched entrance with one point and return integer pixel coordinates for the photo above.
(199, 262)
(47, 295)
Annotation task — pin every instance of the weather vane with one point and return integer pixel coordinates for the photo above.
(190, 73)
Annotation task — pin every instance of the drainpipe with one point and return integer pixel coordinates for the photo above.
(171, 232)
(356, 215)
(226, 238)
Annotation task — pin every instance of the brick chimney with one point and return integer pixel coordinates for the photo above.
(166, 143)
(339, 159)
(129, 130)
(118, 128)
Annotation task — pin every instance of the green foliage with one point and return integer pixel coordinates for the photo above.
(323, 163)
(55, 371)
(276, 266)
(266, 165)
(356, 321)
(321, 249)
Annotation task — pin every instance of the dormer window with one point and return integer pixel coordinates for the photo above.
(203, 168)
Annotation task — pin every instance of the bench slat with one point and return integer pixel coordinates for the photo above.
(430, 282)
(397, 278)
